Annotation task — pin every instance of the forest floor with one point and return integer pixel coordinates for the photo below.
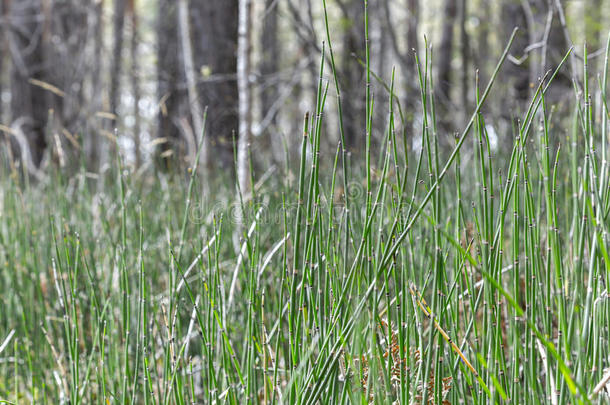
(426, 276)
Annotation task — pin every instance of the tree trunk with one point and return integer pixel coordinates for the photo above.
(29, 102)
(214, 25)
(168, 79)
(3, 52)
(380, 48)
(191, 81)
(245, 94)
(464, 51)
(352, 76)
(135, 81)
(5, 138)
(117, 56)
(412, 91)
(516, 75)
(483, 41)
(68, 65)
(445, 52)
(270, 62)
(93, 129)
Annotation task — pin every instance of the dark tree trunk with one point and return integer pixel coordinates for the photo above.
(464, 51)
(117, 55)
(5, 138)
(68, 64)
(29, 102)
(270, 62)
(48, 42)
(482, 54)
(352, 76)
(3, 51)
(269, 68)
(214, 25)
(412, 91)
(514, 80)
(516, 75)
(379, 56)
(169, 77)
(93, 130)
(445, 52)
(135, 81)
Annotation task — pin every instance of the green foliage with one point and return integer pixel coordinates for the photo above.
(423, 277)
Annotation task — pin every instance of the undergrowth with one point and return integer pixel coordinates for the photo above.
(423, 277)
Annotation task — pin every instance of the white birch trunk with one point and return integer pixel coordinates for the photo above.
(245, 95)
(189, 70)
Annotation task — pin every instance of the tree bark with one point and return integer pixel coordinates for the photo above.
(91, 143)
(482, 41)
(191, 81)
(514, 78)
(412, 91)
(214, 26)
(270, 61)
(117, 56)
(352, 75)
(445, 52)
(379, 56)
(245, 93)
(516, 75)
(135, 81)
(3, 51)
(168, 79)
(68, 64)
(29, 103)
(465, 56)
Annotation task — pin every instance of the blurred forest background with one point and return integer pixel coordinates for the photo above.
(78, 77)
(157, 288)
